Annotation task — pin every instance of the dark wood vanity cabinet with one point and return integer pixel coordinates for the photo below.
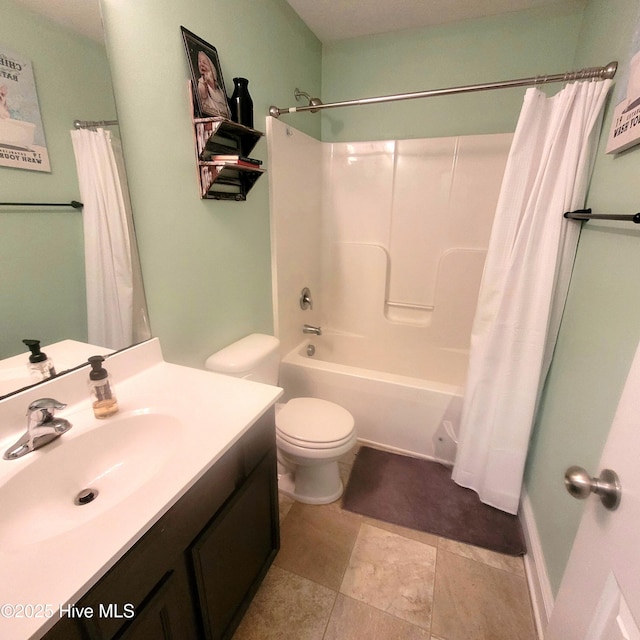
(194, 573)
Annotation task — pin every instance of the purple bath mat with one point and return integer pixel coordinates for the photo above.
(420, 494)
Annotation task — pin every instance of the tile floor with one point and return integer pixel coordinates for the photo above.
(342, 576)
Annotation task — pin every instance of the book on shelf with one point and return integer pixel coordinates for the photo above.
(210, 140)
(220, 165)
(209, 182)
(226, 182)
(234, 159)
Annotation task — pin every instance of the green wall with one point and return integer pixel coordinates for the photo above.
(514, 45)
(206, 263)
(601, 324)
(42, 291)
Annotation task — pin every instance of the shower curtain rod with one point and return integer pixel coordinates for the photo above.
(590, 73)
(90, 124)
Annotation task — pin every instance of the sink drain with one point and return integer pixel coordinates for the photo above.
(86, 496)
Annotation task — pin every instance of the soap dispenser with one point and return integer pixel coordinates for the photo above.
(103, 398)
(40, 366)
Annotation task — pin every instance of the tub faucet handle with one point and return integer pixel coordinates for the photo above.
(305, 299)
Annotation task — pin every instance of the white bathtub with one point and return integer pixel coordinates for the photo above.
(408, 400)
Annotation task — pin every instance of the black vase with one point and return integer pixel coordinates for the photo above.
(241, 104)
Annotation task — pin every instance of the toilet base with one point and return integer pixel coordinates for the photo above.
(318, 484)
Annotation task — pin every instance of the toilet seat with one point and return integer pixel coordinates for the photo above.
(306, 444)
(314, 424)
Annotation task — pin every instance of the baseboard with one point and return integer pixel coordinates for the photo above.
(542, 598)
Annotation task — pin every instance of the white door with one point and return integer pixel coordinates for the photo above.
(599, 598)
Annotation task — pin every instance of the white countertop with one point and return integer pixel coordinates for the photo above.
(39, 577)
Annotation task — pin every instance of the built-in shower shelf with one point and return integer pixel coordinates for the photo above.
(231, 179)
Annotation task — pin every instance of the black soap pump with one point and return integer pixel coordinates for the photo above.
(40, 366)
(103, 398)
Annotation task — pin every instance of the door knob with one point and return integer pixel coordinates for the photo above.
(581, 485)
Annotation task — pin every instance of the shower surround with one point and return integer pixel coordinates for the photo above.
(390, 236)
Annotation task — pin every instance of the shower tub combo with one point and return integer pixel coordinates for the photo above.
(394, 265)
(406, 402)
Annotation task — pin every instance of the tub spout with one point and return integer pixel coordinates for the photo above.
(308, 328)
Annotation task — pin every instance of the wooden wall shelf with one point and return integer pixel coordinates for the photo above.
(225, 170)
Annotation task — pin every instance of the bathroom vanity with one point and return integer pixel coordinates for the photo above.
(200, 564)
(177, 545)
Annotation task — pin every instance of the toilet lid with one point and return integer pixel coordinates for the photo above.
(307, 444)
(311, 420)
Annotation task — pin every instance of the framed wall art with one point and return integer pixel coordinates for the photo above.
(206, 77)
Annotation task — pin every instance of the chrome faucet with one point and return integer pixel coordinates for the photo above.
(308, 328)
(42, 428)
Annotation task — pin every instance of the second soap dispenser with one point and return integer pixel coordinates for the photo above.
(40, 366)
(103, 398)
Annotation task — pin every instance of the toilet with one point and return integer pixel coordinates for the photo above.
(311, 434)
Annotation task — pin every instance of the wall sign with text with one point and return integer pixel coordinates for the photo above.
(625, 128)
(22, 143)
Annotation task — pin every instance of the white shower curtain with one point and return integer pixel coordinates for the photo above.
(116, 307)
(524, 286)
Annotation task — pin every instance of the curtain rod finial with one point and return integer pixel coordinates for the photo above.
(610, 70)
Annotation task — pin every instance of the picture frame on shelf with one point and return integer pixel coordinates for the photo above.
(206, 77)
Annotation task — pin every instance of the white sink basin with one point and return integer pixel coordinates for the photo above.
(116, 457)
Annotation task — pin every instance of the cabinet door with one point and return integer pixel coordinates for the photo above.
(233, 554)
(166, 614)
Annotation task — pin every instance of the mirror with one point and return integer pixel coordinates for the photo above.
(42, 295)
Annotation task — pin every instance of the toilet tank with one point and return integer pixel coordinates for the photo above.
(254, 357)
